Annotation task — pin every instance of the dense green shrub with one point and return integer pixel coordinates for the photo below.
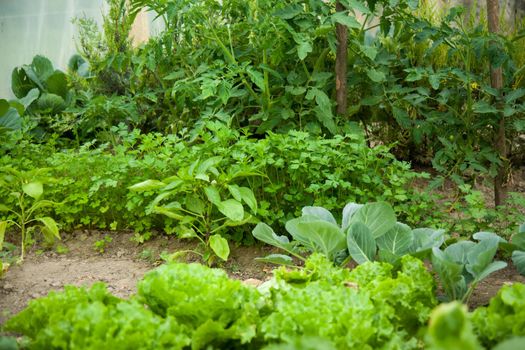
(296, 170)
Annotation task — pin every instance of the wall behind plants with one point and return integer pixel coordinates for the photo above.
(31, 27)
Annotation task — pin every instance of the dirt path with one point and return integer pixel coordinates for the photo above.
(124, 263)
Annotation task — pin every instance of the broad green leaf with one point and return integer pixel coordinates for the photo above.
(514, 95)
(3, 227)
(235, 192)
(232, 209)
(42, 67)
(515, 343)
(450, 275)
(375, 75)
(43, 204)
(31, 96)
(480, 256)
(388, 257)
(318, 236)
(398, 240)
(360, 243)
(346, 19)
(458, 252)
(50, 103)
(483, 107)
(220, 246)
(168, 212)
(50, 228)
(148, 185)
(256, 77)
(249, 198)
(11, 120)
(518, 259)
(4, 207)
(213, 194)
(492, 267)
(427, 238)
(320, 213)
(518, 240)
(303, 49)
(20, 83)
(479, 236)
(379, 217)
(434, 80)
(265, 233)
(183, 231)
(357, 5)
(348, 211)
(195, 204)
(57, 84)
(4, 106)
(278, 259)
(33, 189)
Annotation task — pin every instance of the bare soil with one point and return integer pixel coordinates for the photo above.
(123, 263)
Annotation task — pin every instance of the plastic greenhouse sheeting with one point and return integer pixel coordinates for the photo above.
(31, 27)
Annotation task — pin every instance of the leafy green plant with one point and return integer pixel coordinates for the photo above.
(101, 245)
(450, 328)
(27, 188)
(39, 79)
(80, 318)
(515, 247)
(503, 318)
(366, 232)
(462, 265)
(213, 310)
(205, 201)
(337, 305)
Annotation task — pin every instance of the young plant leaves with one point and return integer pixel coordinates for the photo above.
(232, 209)
(317, 236)
(361, 243)
(398, 240)
(379, 217)
(33, 189)
(320, 213)
(220, 246)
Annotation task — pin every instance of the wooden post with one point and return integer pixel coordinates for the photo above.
(341, 62)
(496, 79)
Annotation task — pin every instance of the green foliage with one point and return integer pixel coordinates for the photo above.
(450, 328)
(214, 310)
(462, 265)
(367, 232)
(94, 319)
(299, 170)
(361, 309)
(503, 318)
(101, 245)
(206, 200)
(41, 83)
(27, 189)
(319, 306)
